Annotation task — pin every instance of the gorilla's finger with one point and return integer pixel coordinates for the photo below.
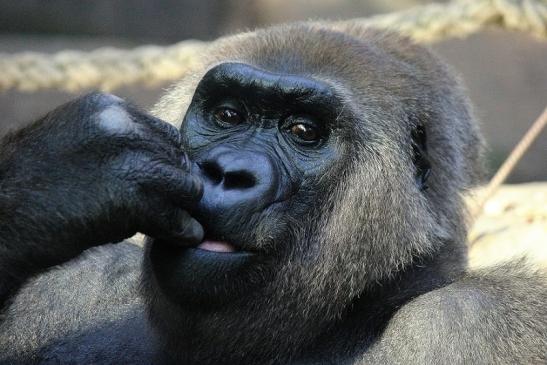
(173, 225)
(188, 232)
(177, 185)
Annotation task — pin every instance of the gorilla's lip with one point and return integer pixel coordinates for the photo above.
(221, 244)
(209, 257)
(216, 246)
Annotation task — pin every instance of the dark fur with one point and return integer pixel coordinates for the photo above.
(376, 275)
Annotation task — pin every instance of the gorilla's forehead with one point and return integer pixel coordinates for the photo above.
(357, 70)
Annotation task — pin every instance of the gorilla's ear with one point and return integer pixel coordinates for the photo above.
(420, 157)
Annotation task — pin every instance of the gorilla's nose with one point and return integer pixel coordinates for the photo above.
(236, 180)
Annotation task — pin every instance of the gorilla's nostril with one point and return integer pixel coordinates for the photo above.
(212, 171)
(239, 180)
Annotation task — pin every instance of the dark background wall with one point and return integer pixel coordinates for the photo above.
(155, 21)
(506, 73)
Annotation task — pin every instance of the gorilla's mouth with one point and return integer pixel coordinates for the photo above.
(206, 274)
(216, 246)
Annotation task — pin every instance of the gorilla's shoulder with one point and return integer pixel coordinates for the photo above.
(503, 306)
(89, 306)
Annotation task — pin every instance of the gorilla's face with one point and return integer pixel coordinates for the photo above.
(261, 142)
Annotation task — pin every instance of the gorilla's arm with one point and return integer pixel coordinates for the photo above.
(488, 317)
(93, 171)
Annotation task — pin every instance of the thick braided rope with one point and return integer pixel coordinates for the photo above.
(460, 18)
(109, 68)
(104, 68)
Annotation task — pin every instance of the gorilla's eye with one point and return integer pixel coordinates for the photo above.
(228, 116)
(305, 132)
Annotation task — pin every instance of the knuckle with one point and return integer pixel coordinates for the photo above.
(116, 120)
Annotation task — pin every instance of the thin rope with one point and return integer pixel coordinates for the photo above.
(109, 68)
(512, 160)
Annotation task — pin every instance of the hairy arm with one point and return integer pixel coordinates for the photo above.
(489, 317)
(93, 171)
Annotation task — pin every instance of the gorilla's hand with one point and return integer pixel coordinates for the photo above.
(93, 171)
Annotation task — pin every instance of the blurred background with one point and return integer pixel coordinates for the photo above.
(506, 73)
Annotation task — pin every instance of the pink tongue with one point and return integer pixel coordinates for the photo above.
(216, 246)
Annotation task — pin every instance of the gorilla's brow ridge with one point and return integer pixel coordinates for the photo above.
(247, 81)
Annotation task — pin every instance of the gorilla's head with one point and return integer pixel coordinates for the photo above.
(332, 161)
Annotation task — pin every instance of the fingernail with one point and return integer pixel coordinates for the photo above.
(185, 162)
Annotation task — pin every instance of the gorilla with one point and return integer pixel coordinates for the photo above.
(306, 209)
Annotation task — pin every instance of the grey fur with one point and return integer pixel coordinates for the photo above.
(86, 311)
(378, 277)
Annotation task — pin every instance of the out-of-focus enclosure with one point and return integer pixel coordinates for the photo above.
(505, 72)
